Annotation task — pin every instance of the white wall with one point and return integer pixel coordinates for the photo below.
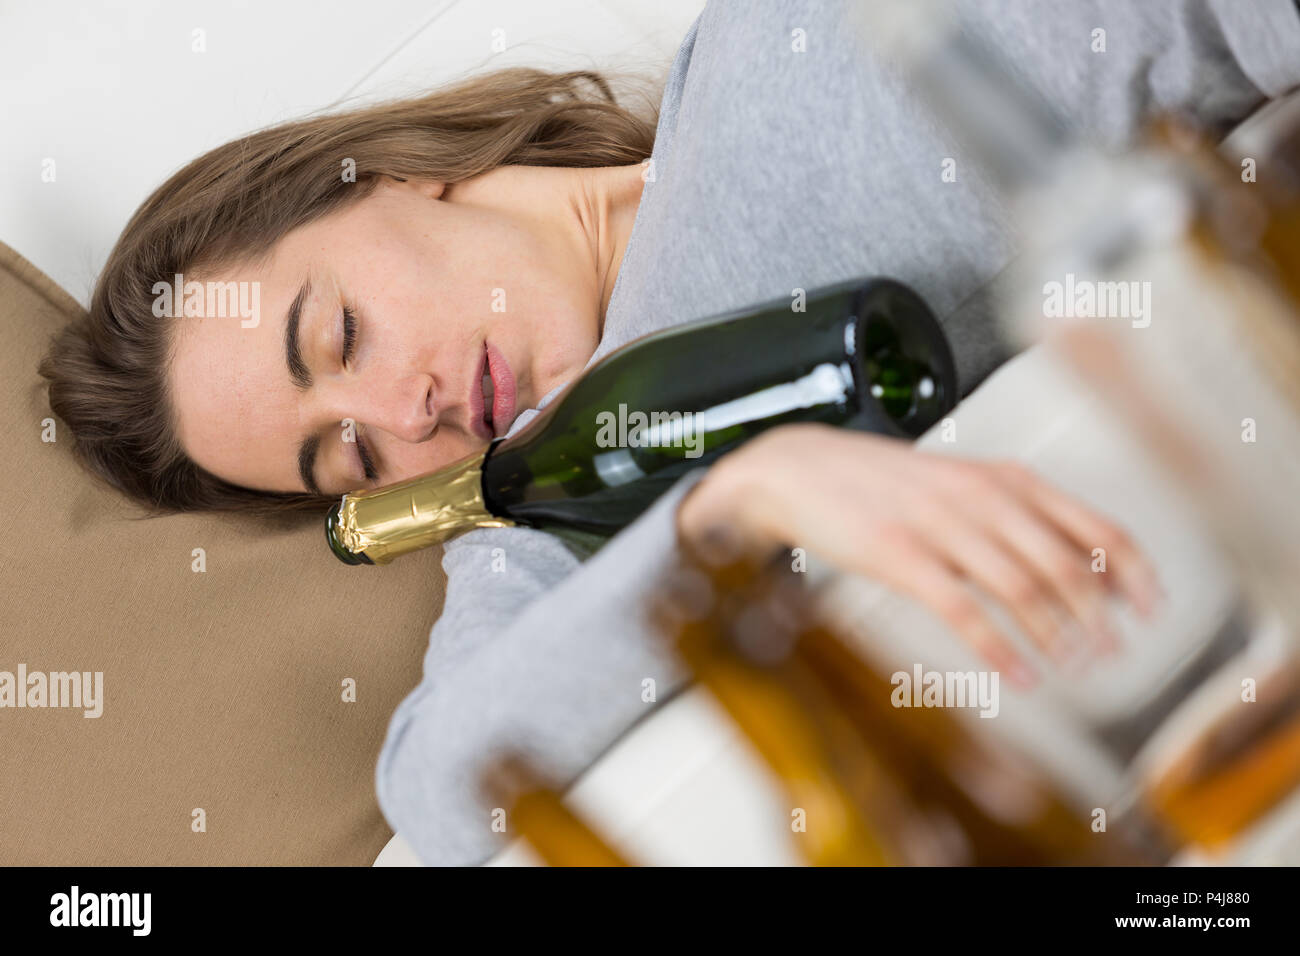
(115, 94)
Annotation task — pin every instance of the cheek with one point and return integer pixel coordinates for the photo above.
(487, 267)
(404, 460)
(378, 267)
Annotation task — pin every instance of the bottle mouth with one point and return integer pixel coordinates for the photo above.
(332, 538)
(900, 383)
(904, 357)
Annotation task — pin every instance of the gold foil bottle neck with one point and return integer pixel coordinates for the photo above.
(388, 522)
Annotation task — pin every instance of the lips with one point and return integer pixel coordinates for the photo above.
(492, 395)
(502, 390)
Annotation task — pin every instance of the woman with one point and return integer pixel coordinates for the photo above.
(523, 225)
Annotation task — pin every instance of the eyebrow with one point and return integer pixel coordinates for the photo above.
(307, 464)
(298, 371)
(300, 375)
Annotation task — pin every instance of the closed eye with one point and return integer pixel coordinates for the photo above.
(349, 334)
(367, 463)
(349, 347)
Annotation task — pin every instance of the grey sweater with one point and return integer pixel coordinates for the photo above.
(774, 169)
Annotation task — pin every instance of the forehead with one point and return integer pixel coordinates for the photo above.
(236, 409)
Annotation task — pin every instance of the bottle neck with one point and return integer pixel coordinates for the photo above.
(388, 522)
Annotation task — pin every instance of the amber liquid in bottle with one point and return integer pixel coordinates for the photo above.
(535, 811)
(925, 788)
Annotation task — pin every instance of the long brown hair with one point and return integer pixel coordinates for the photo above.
(107, 370)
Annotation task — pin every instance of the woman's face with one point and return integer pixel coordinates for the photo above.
(437, 290)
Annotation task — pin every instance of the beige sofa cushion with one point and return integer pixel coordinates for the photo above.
(223, 689)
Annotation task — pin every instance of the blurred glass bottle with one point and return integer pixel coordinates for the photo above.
(1221, 243)
(846, 809)
(535, 811)
(931, 789)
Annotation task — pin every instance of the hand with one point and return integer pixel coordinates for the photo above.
(929, 526)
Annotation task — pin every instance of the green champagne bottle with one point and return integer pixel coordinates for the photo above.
(867, 355)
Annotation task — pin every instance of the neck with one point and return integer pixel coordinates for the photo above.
(605, 204)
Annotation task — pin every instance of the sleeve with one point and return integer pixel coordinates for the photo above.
(1265, 39)
(535, 651)
(1111, 65)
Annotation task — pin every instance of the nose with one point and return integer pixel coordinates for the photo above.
(407, 409)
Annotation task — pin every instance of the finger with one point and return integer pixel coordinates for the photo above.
(983, 559)
(1137, 577)
(927, 578)
(1045, 549)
